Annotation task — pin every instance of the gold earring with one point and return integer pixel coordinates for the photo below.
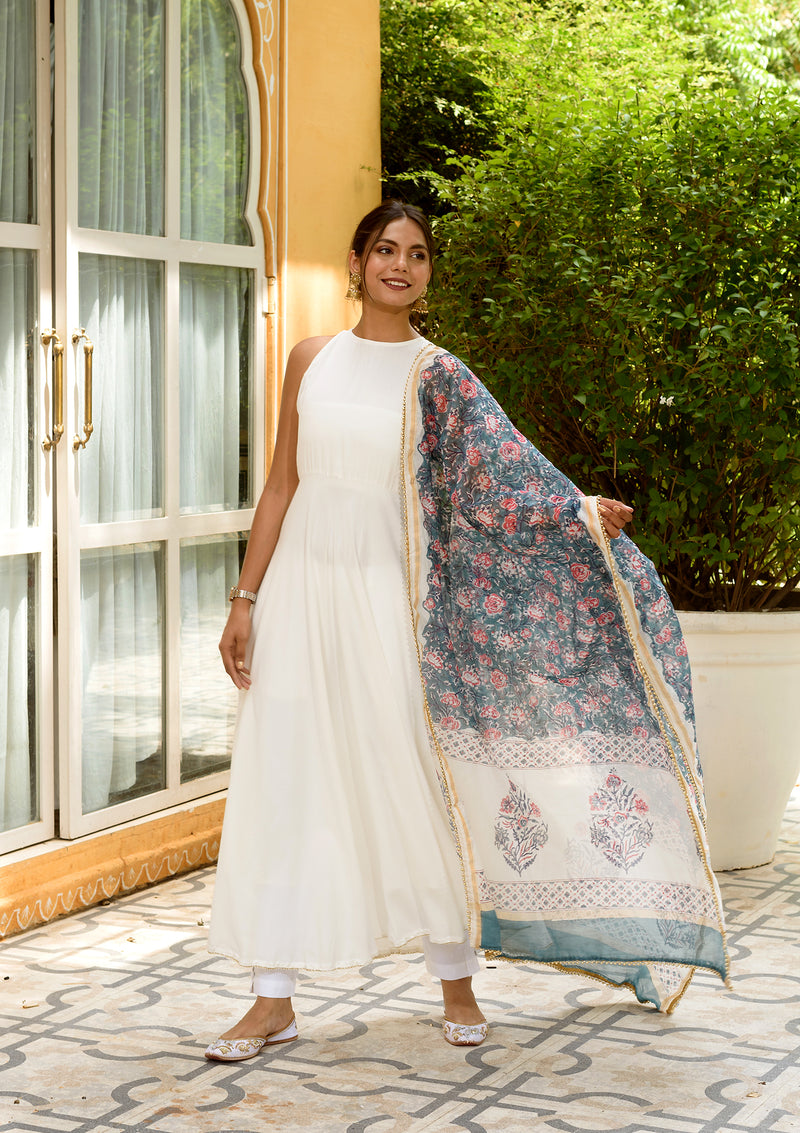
(354, 290)
(419, 306)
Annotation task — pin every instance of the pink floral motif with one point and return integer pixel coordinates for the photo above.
(579, 572)
(473, 457)
(619, 828)
(493, 603)
(510, 450)
(499, 680)
(519, 832)
(510, 524)
(467, 388)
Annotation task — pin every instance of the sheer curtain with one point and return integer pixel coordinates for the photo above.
(121, 477)
(121, 115)
(18, 112)
(18, 411)
(214, 125)
(215, 365)
(17, 598)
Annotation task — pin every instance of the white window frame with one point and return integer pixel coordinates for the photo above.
(171, 528)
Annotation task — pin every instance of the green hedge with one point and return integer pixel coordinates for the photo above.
(627, 284)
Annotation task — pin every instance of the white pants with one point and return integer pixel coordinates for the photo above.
(443, 961)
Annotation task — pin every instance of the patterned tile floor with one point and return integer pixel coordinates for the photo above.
(105, 1016)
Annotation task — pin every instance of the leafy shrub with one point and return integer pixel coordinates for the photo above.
(628, 284)
(435, 99)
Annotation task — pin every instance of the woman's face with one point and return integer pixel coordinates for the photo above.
(397, 267)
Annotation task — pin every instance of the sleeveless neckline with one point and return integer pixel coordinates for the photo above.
(421, 341)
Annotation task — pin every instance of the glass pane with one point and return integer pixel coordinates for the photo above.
(214, 125)
(18, 111)
(19, 352)
(121, 615)
(19, 801)
(121, 115)
(209, 701)
(215, 389)
(121, 468)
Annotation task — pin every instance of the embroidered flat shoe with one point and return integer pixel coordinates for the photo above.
(459, 1034)
(237, 1050)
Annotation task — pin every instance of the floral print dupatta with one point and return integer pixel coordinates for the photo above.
(559, 705)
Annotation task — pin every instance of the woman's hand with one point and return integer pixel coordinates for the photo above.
(613, 516)
(233, 642)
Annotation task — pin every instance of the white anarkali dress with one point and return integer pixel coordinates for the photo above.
(336, 845)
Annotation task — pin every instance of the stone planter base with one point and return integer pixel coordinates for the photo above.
(746, 676)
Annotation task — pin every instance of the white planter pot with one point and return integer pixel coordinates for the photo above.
(746, 679)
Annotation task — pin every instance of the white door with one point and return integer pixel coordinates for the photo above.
(157, 280)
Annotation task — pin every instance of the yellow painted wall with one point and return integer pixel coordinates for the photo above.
(329, 169)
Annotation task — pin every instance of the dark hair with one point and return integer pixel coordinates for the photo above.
(371, 227)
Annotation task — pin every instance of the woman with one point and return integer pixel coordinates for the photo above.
(377, 743)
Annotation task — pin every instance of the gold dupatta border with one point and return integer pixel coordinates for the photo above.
(665, 708)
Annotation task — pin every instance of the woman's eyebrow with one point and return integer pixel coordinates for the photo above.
(414, 247)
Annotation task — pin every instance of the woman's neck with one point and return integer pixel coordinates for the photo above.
(384, 326)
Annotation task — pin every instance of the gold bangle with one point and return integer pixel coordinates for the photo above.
(236, 592)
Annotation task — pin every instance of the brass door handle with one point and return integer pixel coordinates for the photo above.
(88, 351)
(49, 336)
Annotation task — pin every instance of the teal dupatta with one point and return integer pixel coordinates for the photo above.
(559, 705)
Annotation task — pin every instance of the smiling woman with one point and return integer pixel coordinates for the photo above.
(449, 735)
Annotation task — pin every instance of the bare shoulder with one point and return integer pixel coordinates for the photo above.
(300, 358)
(304, 352)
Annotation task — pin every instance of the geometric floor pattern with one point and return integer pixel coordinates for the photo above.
(105, 1015)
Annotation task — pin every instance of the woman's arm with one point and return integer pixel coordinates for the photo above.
(272, 507)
